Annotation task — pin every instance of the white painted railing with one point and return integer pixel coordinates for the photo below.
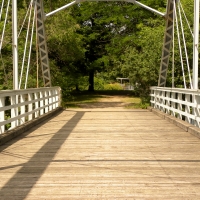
(181, 103)
(20, 106)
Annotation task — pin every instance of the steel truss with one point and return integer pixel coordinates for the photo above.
(167, 43)
(44, 59)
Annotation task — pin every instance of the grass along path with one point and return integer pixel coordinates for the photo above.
(96, 100)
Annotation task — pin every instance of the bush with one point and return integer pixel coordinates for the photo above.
(114, 86)
(98, 84)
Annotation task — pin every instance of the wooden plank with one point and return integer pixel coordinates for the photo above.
(102, 154)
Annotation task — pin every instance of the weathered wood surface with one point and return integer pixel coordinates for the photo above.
(102, 154)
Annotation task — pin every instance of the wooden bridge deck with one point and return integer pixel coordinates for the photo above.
(102, 154)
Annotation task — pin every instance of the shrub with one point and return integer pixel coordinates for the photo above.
(114, 86)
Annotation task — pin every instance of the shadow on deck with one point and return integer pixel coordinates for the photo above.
(101, 154)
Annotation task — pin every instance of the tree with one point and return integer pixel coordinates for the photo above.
(141, 63)
(101, 25)
(110, 39)
(65, 47)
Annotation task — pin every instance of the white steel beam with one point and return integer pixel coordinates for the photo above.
(14, 111)
(62, 8)
(130, 1)
(15, 44)
(146, 7)
(44, 59)
(196, 44)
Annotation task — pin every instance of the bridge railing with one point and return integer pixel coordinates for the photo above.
(180, 103)
(20, 106)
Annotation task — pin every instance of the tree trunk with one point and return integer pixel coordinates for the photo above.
(77, 88)
(91, 81)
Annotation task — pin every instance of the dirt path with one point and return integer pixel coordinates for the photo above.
(107, 101)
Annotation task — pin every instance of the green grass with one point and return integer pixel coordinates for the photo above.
(135, 100)
(137, 106)
(77, 98)
(74, 99)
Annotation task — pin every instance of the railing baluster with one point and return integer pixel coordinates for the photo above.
(173, 104)
(187, 108)
(162, 101)
(36, 104)
(152, 98)
(167, 110)
(156, 99)
(22, 108)
(180, 107)
(14, 111)
(41, 103)
(57, 97)
(54, 99)
(50, 100)
(2, 114)
(30, 106)
(46, 101)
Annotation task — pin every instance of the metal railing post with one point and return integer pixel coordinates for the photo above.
(2, 114)
(30, 106)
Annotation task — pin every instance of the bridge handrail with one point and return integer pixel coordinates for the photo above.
(181, 103)
(20, 106)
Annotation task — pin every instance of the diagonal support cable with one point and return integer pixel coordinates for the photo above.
(4, 27)
(25, 46)
(186, 20)
(30, 48)
(180, 48)
(30, 6)
(185, 46)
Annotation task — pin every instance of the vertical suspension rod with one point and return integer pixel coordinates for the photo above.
(173, 46)
(2, 4)
(25, 46)
(15, 44)
(30, 48)
(180, 48)
(196, 44)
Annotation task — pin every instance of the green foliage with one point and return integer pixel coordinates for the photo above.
(113, 86)
(107, 39)
(98, 84)
(66, 50)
